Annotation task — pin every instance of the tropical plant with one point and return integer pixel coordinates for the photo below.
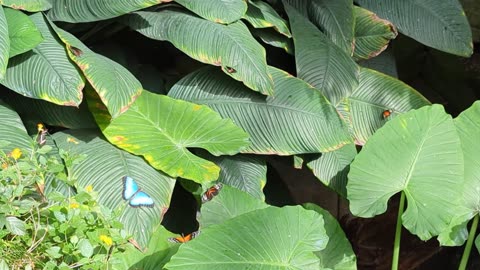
(139, 96)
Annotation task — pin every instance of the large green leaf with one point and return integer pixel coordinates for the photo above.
(372, 34)
(298, 119)
(235, 50)
(262, 15)
(161, 128)
(320, 62)
(28, 5)
(269, 238)
(229, 203)
(418, 153)
(332, 168)
(103, 169)
(338, 255)
(245, 172)
(468, 127)
(377, 92)
(96, 10)
(334, 18)
(23, 33)
(438, 24)
(45, 72)
(220, 11)
(115, 85)
(12, 130)
(4, 43)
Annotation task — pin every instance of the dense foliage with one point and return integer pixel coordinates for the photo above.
(106, 107)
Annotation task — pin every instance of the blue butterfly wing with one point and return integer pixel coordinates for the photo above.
(130, 187)
(141, 199)
(133, 195)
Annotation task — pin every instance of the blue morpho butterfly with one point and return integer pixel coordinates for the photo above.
(134, 195)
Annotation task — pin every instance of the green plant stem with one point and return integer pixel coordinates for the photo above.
(398, 232)
(468, 246)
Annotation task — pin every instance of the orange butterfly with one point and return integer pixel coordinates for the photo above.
(211, 192)
(182, 238)
(387, 113)
(42, 134)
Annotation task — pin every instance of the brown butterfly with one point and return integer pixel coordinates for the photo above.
(42, 134)
(211, 192)
(182, 238)
(387, 113)
(76, 51)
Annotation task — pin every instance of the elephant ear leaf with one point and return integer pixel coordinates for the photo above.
(418, 153)
(282, 238)
(4, 44)
(161, 129)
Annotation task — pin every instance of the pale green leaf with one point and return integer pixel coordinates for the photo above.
(269, 238)
(86, 249)
(418, 153)
(338, 255)
(15, 226)
(229, 203)
(161, 129)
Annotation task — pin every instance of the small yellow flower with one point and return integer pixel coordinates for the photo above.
(89, 188)
(71, 140)
(16, 153)
(74, 205)
(106, 239)
(40, 127)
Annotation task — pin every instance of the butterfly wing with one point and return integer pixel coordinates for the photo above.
(130, 187)
(211, 192)
(183, 239)
(141, 199)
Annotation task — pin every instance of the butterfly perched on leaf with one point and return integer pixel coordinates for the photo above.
(183, 238)
(42, 134)
(134, 195)
(386, 113)
(211, 192)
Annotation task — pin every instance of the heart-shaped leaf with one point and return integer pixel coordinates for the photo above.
(418, 153)
(161, 129)
(282, 238)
